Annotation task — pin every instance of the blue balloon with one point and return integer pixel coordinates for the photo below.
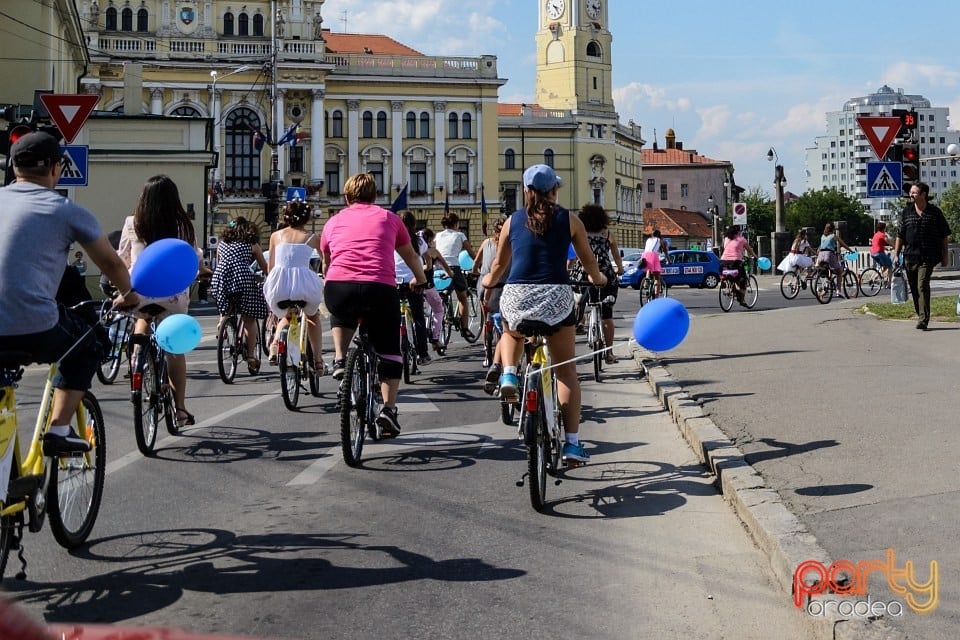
(165, 268)
(661, 324)
(763, 263)
(466, 262)
(571, 252)
(441, 281)
(179, 333)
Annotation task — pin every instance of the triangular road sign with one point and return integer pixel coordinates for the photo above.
(70, 110)
(880, 132)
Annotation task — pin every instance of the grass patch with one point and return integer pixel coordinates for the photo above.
(942, 308)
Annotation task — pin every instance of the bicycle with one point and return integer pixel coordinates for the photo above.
(730, 285)
(451, 315)
(232, 342)
(408, 332)
(295, 355)
(595, 339)
(69, 487)
(492, 329)
(825, 283)
(648, 287)
(150, 390)
(119, 327)
(796, 279)
(871, 280)
(360, 397)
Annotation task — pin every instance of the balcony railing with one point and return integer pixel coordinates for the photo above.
(442, 67)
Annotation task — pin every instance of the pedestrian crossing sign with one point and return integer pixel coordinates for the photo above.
(884, 179)
(73, 166)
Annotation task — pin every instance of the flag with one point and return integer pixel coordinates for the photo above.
(483, 202)
(446, 204)
(258, 139)
(401, 202)
(290, 135)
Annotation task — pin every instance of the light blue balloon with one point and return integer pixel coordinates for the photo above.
(441, 281)
(179, 333)
(466, 262)
(661, 324)
(763, 263)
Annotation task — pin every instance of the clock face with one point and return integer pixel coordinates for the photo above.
(593, 8)
(554, 9)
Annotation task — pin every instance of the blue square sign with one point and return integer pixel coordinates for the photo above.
(884, 179)
(74, 166)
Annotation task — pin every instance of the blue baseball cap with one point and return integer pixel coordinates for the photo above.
(541, 178)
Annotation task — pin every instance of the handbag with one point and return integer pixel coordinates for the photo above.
(898, 287)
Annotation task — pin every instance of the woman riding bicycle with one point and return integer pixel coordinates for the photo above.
(828, 254)
(534, 241)
(878, 251)
(604, 245)
(651, 259)
(450, 242)
(734, 247)
(432, 260)
(414, 298)
(357, 246)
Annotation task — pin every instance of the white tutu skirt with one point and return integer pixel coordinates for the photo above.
(293, 283)
(795, 261)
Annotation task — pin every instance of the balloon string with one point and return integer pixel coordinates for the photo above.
(585, 356)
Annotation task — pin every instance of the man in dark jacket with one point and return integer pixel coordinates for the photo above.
(923, 237)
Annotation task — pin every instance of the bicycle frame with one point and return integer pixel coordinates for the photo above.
(34, 463)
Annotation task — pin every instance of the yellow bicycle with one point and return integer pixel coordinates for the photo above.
(70, 487)
(295, 355)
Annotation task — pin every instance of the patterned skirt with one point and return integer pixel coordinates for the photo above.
(547, 303)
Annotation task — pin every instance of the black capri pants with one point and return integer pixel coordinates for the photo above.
(378, 305)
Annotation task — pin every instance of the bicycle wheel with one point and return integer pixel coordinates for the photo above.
(535, 436)
(227, 350)
(147, 402)
(726, 294)
(596, 344)
(312, 374)
(474, 317)
(289, 375)
(76, 482)
(110, 366)
(790, 285)
(823, 288)
(449, 321)
(406, 352)
(169, 407)
(7, 534)
(353, 407)
(851, 285)
(646, 291)
(871, 281)
(752, 292)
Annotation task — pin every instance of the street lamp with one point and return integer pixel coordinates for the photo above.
(780, 239)
(713, 210)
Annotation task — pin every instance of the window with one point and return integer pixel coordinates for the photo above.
(337, 131)
(243, 25)
(376, 168)
(424, 125)
(594, 83)
(382, 125)
(509, 159)
(228, 24)
(242, 160)
(142, 20)
(651, 185)
(367, 126)
(684, 190)
(331, 174)
(461, 184)
(411, 124)
(126, 19)
(597, 195)
(548, 158)
(186, 112)
(593, 49)
(663, 192)
(296, 158)
(648, 205)
(466, 131)
(110, 19)
(418, 178)
(258, 25)
(452, 129)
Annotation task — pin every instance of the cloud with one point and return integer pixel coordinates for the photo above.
(905, 74)
(631, 97)
(713, 121)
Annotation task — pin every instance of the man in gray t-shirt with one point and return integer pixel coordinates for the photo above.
(39, 227)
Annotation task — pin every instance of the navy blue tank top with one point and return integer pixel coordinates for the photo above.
(539, 259)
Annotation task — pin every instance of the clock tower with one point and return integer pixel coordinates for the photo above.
(574, 67)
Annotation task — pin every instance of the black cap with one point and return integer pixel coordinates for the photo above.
(36, 149)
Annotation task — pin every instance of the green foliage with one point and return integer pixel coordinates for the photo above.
(942, 308)
(761, 212)
(817, 208)
(949, 203)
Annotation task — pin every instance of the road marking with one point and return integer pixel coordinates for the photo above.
(415, 402)
(133, 456)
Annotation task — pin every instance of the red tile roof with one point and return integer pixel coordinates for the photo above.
(366, 43)
(676, 223)
(512, 109)
(675, 156)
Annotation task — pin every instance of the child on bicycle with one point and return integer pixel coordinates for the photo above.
(734, 247)
(289, 277)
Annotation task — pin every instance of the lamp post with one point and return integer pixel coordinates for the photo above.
(713, 210)
(215, 112)
(780, 239)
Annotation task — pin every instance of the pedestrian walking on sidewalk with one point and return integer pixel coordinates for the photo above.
(923, 236)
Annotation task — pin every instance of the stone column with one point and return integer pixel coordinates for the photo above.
(317, 139)
(156, 101)
(399, 176)
(478, 132)
(440, 135)
(353, 132)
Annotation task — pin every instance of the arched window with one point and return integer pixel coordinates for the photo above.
(337, 125)
(548, 157)
(382, 124)
(509, 159)
(452, 126)
(411, 124)
(111, 19)
(424, 125)
(242, 165)
(367, 125)
(142, 20)
(243, 25)
(186, 111)
(466, 129)
(228, 24)
(593, 50)
(126, 19)
(258, 25)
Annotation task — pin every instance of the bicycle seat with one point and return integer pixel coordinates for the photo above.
(14, 359)
(730, 273)
(152, 309)
(287, 304)
(532, 328)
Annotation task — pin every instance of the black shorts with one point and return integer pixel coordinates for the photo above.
(611, 289)
(459, 280)
(378, 305)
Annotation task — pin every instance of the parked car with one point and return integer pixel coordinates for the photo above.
(687, 266)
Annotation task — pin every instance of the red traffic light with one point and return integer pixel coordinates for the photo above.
(909, 120)
(17, 132)
(909, 153)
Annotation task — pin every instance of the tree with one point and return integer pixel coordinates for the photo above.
(949, 203)
(817, 208)
(761, 213)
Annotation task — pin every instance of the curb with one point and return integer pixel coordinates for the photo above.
(782, 537)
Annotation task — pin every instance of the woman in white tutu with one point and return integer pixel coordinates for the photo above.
(289, 276)
(800, 256)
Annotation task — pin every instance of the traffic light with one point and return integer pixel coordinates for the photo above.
(911, 164)
(14, 131)
(908, 123)
(895, 153)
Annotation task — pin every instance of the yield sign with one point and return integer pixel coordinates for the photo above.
(69, 111)
(880, 132)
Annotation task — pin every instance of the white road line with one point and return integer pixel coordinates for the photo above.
(133, 456)
(415, 402)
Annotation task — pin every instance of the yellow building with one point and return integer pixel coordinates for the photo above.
(574, 126)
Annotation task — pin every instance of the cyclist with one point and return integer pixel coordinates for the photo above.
(39, 226)
(433, 260)
(450, 242)
(239, 246)
(490, 297)
(414, 298)
(828, 254)
(534, 241)
(734, 247)
(799, 257)
(651, 259)
(357, 246)
(878, 251)
(603, 244)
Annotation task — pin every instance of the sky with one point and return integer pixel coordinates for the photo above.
(733, 79)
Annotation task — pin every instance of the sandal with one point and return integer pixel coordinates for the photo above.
(184, 418)
(273, 354)
(253, 366)
(610, 358)
(321, 368)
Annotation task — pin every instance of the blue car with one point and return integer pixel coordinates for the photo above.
(699, 269)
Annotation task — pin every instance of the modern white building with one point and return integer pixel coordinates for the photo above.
(839, 158)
